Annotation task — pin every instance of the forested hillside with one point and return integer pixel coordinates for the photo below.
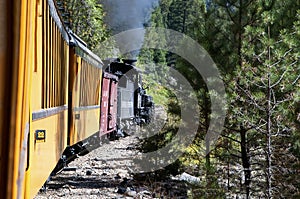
(256, 47)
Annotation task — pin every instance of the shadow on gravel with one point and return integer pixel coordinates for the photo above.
(146, 185)
(162, 186)
(81, 183)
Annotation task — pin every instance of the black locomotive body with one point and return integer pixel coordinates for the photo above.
(135, 107)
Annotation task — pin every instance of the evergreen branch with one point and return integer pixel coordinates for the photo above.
(230, 138)
(255, 74)
(294, 82)
(248, 3)
(274, 97)
(282, 75)
(258, 57)
(251, 98)
(280, 102)
(235, 155)
(280, 79)
(230, 16)
(257, 163)
(236, 130)
(280, 133)
(254, 150)
(259, 86)
(282, 58)
(259, 128)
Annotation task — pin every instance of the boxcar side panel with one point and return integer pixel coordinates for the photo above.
(108, 104)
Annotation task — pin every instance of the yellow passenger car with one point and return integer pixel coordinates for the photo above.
(50, 86)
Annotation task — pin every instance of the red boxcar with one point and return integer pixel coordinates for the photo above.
(108, 116)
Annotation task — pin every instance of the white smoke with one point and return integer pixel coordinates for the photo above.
(123, 15)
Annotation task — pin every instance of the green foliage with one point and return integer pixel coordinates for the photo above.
(264, 83)
(86, 19)
(256, 46)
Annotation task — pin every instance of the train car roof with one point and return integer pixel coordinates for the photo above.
(82, 50)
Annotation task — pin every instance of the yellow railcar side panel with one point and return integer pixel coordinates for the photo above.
(13, 95)
(76, 89)
(36, 92)
(85, 120)
(45, 153)
(66, 75)
(86, 123)
(49, 76)
(26, 65)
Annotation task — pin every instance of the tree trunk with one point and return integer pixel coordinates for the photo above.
(207, 141)
(268, 133)
(245, 160)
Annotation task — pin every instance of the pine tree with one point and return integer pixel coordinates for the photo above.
(264, 86)
(229, 21)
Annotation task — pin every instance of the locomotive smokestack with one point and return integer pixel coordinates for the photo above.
(129, 61)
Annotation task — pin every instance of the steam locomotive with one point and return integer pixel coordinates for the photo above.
(58, 100)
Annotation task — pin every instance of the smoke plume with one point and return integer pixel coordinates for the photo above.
(123, 15)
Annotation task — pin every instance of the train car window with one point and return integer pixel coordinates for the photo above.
(55, 63)
(89, 84)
